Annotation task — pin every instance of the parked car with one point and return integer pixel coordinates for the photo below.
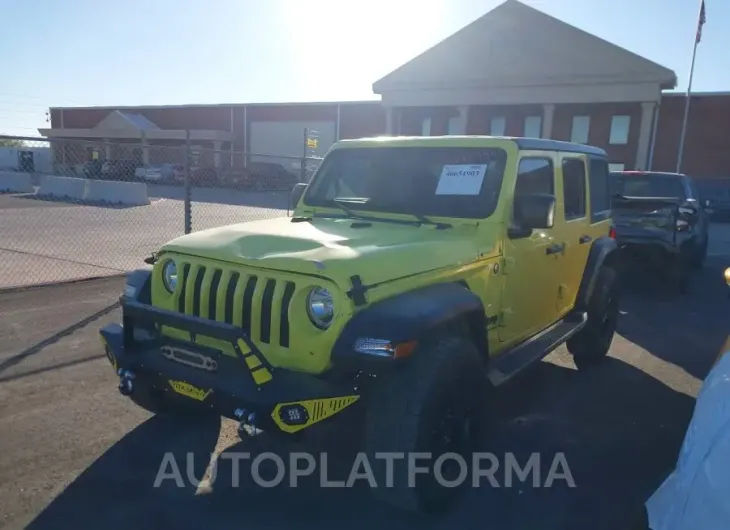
(269, 176)
(659, 219)
(413, 276)
(161, 173)
(716, 200)
(119, 169)
(92, 169)
(259, 176)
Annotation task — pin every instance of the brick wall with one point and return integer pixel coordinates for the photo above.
(707, 149)
(707, 143)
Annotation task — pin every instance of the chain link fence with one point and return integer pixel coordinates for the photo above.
(74, 209)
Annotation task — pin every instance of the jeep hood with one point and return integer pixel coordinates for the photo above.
(337, 248)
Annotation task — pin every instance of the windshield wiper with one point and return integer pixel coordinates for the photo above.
(422, 219)
(342, 202)
(426, 221)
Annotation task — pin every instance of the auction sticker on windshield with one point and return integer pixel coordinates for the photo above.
(461, 179)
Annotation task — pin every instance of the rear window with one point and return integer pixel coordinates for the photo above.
(647, 185)
(439, 181)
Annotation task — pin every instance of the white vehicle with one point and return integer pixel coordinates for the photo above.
(696, 495)
(161, 172)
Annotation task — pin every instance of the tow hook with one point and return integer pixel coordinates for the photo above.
(246, 424)
(126, 382)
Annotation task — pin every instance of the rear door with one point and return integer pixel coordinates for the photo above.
(575, 223)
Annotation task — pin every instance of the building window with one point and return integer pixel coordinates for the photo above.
(454, 123)
(616, 167)
(533, 127)
(574, 188)
(579, 132)
(497, 126)
(426, 127)
(620, 130)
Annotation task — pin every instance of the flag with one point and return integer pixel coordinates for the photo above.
(701, 22)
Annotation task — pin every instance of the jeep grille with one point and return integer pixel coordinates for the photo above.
(248, 298)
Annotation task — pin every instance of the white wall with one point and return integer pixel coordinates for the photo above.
(42, 157)
(287, 139)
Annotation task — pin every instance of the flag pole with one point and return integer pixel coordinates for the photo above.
(689, 92)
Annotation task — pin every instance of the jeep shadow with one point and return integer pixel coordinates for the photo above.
(593, 419)
(686, 331)
(117, 490)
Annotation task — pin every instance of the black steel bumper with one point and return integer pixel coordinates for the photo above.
(135, 348)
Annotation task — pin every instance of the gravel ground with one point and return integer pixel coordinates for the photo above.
(75, 454)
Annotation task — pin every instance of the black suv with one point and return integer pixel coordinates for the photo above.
(658, 216)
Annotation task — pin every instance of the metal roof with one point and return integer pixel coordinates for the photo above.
(540, 144)
(534, 144)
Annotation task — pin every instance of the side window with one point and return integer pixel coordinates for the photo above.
(574, 188)
(599, 192)
(691, 189)
(535, 175)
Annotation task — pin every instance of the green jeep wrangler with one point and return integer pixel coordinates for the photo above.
(414, 276)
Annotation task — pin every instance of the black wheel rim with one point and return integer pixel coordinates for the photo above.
(454, 432)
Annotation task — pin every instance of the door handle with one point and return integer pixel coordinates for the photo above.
(555, 248)
(585, 239)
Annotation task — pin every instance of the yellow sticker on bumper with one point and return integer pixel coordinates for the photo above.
(188, 390)
(316, 411)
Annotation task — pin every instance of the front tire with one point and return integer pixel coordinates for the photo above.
(434, 405)
(592, 343)
(698, 259)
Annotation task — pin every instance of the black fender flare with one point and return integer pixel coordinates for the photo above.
(409, 316)
(141, 281)
(604, 251)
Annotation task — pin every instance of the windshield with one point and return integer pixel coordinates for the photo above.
(647, 185)
(439, 181)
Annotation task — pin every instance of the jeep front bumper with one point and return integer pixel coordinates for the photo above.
(201, 376)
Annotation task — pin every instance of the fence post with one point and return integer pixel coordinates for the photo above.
(303, 170)
(187, 208)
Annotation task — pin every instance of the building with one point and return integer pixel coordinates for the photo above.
(515, 71)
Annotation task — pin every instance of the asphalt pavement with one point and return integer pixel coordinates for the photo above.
(76, 454)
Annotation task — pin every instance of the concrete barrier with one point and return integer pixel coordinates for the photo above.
(126, 193)
(62, 187)
(13, 182)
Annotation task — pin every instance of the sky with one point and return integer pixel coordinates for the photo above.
(157, 52)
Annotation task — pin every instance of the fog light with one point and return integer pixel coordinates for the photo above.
(126, 386)
(294, 414)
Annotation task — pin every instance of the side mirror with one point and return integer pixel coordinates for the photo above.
(534, 210)
(296, 194)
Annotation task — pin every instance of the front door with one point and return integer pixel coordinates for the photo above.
(531, 265)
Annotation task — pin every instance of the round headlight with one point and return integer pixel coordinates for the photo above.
(320, 308)
(169, 276)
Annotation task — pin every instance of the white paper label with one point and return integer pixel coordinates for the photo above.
(461, 180)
